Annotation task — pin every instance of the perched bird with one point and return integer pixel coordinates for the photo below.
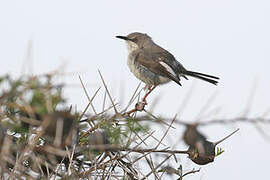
(154, 65)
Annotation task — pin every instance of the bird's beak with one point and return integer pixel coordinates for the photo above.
(123, 37)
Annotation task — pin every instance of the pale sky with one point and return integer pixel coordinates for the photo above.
(229, 39)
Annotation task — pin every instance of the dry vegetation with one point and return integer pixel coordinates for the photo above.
(42, 137)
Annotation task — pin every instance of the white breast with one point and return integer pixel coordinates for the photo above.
(133, 66)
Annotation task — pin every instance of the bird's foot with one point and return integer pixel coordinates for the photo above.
(138, 107)
(143, 101)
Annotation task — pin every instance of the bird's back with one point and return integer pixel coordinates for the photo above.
(160, 54)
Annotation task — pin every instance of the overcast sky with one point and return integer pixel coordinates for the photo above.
(228, 38)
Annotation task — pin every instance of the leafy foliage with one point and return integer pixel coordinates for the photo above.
(219, 151)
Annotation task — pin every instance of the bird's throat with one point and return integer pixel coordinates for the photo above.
(131, 46)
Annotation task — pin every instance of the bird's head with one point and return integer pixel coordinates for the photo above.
(136, 40)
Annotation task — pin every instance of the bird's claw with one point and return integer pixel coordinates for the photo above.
(140, 106)
(144, 102)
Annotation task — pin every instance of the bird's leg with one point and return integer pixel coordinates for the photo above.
(140, 105)
(150, 89)
(147, 87)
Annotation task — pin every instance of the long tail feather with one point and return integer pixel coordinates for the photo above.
(201, 74)
(204, 77)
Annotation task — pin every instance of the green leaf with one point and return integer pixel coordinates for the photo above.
(219, 151)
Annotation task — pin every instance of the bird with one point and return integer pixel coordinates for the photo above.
(154, 65)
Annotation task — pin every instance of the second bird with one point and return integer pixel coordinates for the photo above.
(154, 65)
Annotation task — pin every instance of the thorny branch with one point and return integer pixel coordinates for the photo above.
(110, 144)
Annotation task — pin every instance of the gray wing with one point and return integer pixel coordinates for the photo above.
(155, 62)
(170, 60)
(167, 57)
